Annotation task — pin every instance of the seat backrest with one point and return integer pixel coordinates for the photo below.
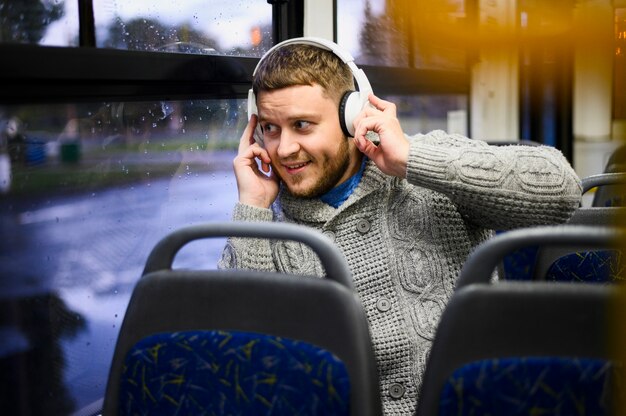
(556, 263)
(258, 342)
(514, 347)
(487, 255)
(581, 262)
(518, 264)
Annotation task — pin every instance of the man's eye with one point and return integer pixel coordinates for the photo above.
(301, 124)
(269, 128)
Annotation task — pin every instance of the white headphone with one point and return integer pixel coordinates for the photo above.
(351, 103)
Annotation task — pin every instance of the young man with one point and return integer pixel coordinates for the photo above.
(405, 211)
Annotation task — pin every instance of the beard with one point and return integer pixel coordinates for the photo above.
(333, 170)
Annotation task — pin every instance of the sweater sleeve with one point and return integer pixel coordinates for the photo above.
(497, 187)
(248, 253)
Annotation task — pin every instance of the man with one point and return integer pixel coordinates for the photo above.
(405, 211)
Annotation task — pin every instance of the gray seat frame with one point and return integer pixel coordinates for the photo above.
(608, 183)
(322, 311)
(584, 216)
(486, 319)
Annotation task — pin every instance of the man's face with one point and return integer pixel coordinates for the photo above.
(302, 135)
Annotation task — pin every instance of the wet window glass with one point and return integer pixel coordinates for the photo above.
(241, 28)
(421, 34)
(87, 191)
(43, 22)
(237, 28)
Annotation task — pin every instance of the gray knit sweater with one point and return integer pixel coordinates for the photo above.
(406, 239)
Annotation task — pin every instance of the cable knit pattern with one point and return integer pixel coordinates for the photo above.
(406, 240)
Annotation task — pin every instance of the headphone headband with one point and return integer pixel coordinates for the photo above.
(351, 103)
(322, 43)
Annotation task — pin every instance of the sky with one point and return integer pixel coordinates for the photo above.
(227, 20)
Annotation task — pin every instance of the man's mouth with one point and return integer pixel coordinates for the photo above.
(294, 168)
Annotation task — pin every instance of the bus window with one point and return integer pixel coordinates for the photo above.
(183, 27)
(406, 34)
(93, 187)
(392, 44)
(239, 28)
(424, 113)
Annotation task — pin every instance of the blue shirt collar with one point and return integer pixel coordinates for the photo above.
(338, 195)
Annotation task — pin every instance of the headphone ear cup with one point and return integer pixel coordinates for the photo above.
(251, 104)
(349, 108)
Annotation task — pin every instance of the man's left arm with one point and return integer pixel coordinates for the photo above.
(498, 187)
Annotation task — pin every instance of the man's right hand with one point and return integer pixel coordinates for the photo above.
(256, 188)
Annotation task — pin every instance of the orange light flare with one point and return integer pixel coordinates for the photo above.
(256, 36)
(444, 23)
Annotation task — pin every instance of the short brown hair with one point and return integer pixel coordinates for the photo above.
(302, 64)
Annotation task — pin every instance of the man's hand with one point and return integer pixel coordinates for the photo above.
(257, 188)
(392, 153)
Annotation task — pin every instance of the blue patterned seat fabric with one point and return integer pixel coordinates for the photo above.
(231, 373)
(529, 386)
(603, 266)
(520, 264)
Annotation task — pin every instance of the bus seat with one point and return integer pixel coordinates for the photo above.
(519, 264)
(523, 347)
(243, 341)
(528, 263)
(571, 263)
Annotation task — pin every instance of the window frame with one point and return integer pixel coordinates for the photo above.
(79, 74)
(43, 74)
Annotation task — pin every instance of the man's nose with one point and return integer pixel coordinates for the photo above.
(288, 145)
